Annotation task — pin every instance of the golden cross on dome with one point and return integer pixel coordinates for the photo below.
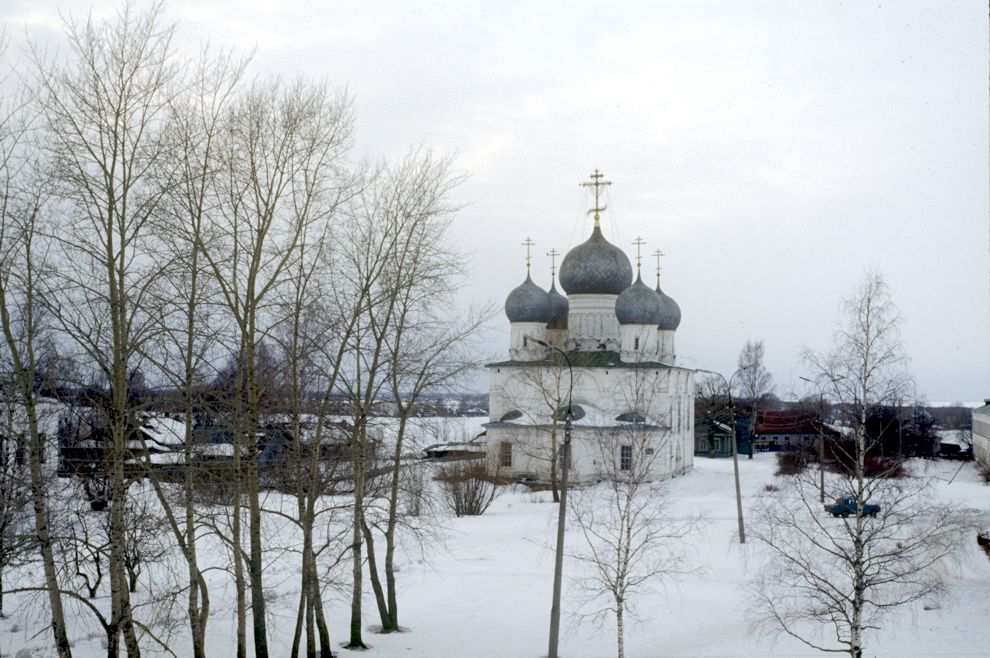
(639, 242)
(658, 254)
(529, 260)
(597, 183)
(553, 253)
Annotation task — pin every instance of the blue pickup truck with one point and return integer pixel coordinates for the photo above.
(847, 507)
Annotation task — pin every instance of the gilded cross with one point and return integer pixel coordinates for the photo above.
(529, 260)
(553, 253)
(658, 254)
(597, 183)
(639, 242)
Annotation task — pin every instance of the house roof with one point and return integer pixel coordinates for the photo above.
(787, 422)
(597, 359)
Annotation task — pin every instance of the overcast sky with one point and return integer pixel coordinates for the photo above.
(774, 151)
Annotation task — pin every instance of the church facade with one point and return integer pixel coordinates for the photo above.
(605, 350)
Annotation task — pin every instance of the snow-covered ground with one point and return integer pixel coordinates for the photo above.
(484, 589)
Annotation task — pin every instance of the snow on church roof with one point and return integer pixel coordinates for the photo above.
(586, 415)
(596, 359)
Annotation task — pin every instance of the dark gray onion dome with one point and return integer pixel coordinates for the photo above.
(558, 309)
(638, 304)
(670, 312)
(528, 303)
(595, 266)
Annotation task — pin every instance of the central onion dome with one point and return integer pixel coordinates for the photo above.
(639, 304)
(528, 303)
(595, 267)
(558, 309)
(670, 312)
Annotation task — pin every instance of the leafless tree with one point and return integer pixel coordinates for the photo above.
(189, 335)
(23, 259)
(281, 152)
(632, 540)
(424, 350)
(842, 576)
(551, 385)
(145, 538)
(310, 339)
(754, 383)
(15, 532)
(105, 111)
(712, 404)
(377, 239)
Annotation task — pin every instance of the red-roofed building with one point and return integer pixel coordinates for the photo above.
(788, 430)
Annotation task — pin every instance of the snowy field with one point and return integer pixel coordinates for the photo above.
(483, 589)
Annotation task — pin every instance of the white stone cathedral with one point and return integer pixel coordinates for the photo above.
(609, 347)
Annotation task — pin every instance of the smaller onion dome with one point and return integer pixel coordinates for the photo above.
(670, 312)
(528, 303)
(638, 304)
(559, 308)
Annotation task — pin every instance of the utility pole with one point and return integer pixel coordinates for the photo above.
(565, 457)
(735, 452)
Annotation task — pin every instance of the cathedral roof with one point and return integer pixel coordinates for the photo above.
(528, 303)
(596, 359)
(595, 266)
(639, 304)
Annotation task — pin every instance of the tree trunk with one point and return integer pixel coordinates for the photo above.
(312, 495)
(198, 604)
(113, 642)
(38, 499)
(376, 583)
(120, 594)
(619, 633)
(321, 620)
(235, 540)
(356, 642)
(47, 555)
(255, 556)
(300, 616)
(255, 563)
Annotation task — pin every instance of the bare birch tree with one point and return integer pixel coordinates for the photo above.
(828, 582)
(754, 383)
(189, 335)
(310, 338)
(22, 257)
(632, 540)
(105, 111)
(551, 385)
(424, 349)
(281, 155)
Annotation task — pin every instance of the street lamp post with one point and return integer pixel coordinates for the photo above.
(821, 429)
(735, 452)
(565, 457)
(821, 437)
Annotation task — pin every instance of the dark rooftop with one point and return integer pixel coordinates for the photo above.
(599, 359)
